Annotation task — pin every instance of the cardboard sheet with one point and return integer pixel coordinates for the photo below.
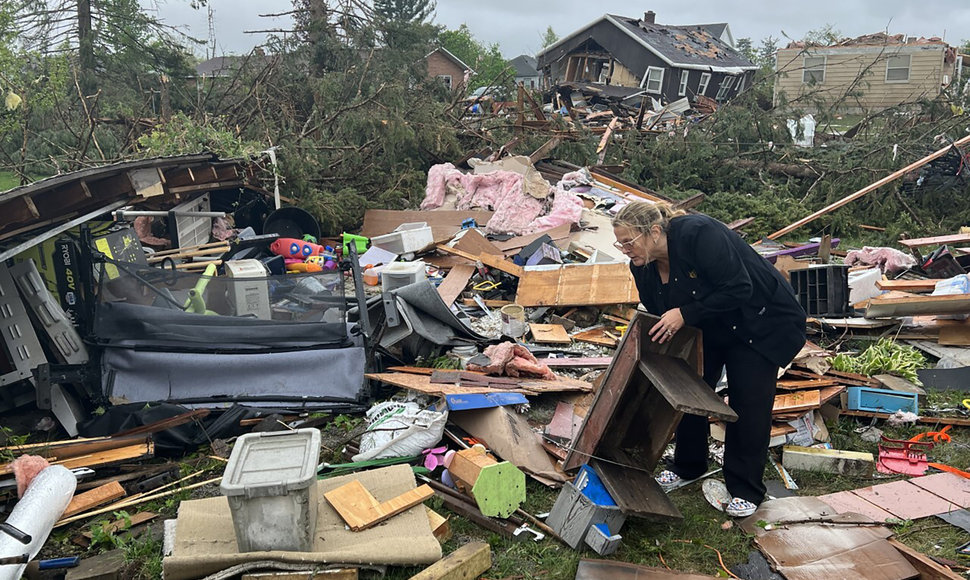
(806, 546)
(205, 541)
(509, 435)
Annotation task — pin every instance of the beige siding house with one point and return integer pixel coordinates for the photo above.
(865, 74)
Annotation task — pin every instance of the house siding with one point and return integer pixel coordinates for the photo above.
(630, 61)
(439, 64)
(861, 71)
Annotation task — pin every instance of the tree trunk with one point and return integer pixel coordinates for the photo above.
(85, 40)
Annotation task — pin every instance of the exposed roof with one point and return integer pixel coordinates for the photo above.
(444, 51)
(874, 39)
(684, 46)
(525, 66)
(690, 47)
(56, 199)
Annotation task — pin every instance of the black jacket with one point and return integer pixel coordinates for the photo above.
(723, 286)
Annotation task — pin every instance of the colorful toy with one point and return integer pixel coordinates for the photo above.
(294, 248)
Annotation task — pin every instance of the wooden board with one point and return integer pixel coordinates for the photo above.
(671, 376)
(585, 362)
(907, 285)
(912, 305)
(454, 283)
(82, 502)
(106, 457)
(497, 262)
(927, 567)
(595, 336)
(444, 223)
(549, 334)
(423, 384)
(473, 242)
(797, 401)
(796, 384)
(936, 240)
(361, 510)
(578, 285)
(465, 563)
(513, 245)
(636, 492)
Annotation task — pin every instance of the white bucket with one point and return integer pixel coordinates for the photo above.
(513, 320)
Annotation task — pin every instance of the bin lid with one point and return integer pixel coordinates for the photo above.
(269, 464)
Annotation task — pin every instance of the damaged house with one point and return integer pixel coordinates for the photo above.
(666, 62)
(865, 74)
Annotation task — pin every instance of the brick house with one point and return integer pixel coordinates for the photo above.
(449, 69)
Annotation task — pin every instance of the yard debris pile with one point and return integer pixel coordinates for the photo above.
(491, 337)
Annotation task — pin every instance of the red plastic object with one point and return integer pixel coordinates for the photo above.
(902, 456)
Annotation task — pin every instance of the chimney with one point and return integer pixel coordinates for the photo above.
(649, 17)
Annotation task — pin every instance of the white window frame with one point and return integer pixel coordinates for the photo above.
(740, 83)
(446, 80)
(702, 85)
(809, 71)
(908, 68)
(684, 77)
(722, 91)
(660, 81)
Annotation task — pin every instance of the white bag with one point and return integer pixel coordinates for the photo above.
(396, 429)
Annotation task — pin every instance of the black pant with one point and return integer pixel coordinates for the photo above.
(751, 388)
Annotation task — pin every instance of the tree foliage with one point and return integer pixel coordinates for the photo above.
(486, 60)
(549, 37)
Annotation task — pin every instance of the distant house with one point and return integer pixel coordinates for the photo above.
(526, 73)
(449, 69)
(667, 62)
(865, 74)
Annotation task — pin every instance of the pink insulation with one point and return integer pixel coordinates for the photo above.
(515, 211)
(888, 259)
(513, 360)
(25, 469)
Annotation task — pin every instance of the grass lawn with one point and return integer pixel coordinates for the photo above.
(8, 180)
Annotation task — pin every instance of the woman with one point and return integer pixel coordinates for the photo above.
(691, 269)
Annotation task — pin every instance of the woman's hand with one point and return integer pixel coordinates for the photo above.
(670, 323)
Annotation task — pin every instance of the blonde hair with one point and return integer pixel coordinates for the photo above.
(643, 215)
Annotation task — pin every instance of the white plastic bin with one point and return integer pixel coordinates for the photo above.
(249, 291)
(270, 482)
(398, 274)
(406, 238)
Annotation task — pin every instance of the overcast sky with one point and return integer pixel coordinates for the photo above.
(518, 25)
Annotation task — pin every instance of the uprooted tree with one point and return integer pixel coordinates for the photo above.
(356, 122)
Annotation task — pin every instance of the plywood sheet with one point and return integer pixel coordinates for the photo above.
(796, 401)
(473, 242)
(905, 500)
(549, 333)
(578, 285)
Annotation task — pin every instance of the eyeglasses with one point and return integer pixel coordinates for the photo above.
(626, 244)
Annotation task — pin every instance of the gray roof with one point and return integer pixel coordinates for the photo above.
(683, 45)
(525, 66)
(691, 47)
(218, 66)
(451, 57)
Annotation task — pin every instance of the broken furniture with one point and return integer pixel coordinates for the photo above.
(902, 456)
(361, 511)
(645, 391)
(822, 290)
(269, 483)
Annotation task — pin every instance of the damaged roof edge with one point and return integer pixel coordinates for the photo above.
(63, 178)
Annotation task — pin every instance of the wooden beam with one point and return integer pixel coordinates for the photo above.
(468, 561)
(497, 262)
(869, 188)
(928, 569)
(907, 285)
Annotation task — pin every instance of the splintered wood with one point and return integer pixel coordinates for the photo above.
(361, 510)
(578, 285)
